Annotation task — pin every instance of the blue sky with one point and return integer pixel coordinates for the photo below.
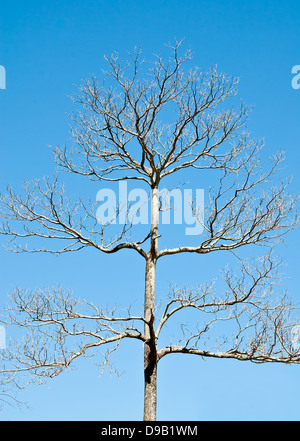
(47, 47)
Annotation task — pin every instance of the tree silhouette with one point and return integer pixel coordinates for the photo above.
(146, 125)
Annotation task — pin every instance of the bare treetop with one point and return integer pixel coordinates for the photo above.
(124, 127)
(152, 120)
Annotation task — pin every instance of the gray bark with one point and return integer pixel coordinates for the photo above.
(150, 351)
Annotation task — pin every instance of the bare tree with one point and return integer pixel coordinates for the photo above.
(146, 125)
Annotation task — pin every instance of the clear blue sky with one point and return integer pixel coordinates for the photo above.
(46, 48)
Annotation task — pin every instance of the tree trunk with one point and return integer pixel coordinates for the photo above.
(150, 352)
